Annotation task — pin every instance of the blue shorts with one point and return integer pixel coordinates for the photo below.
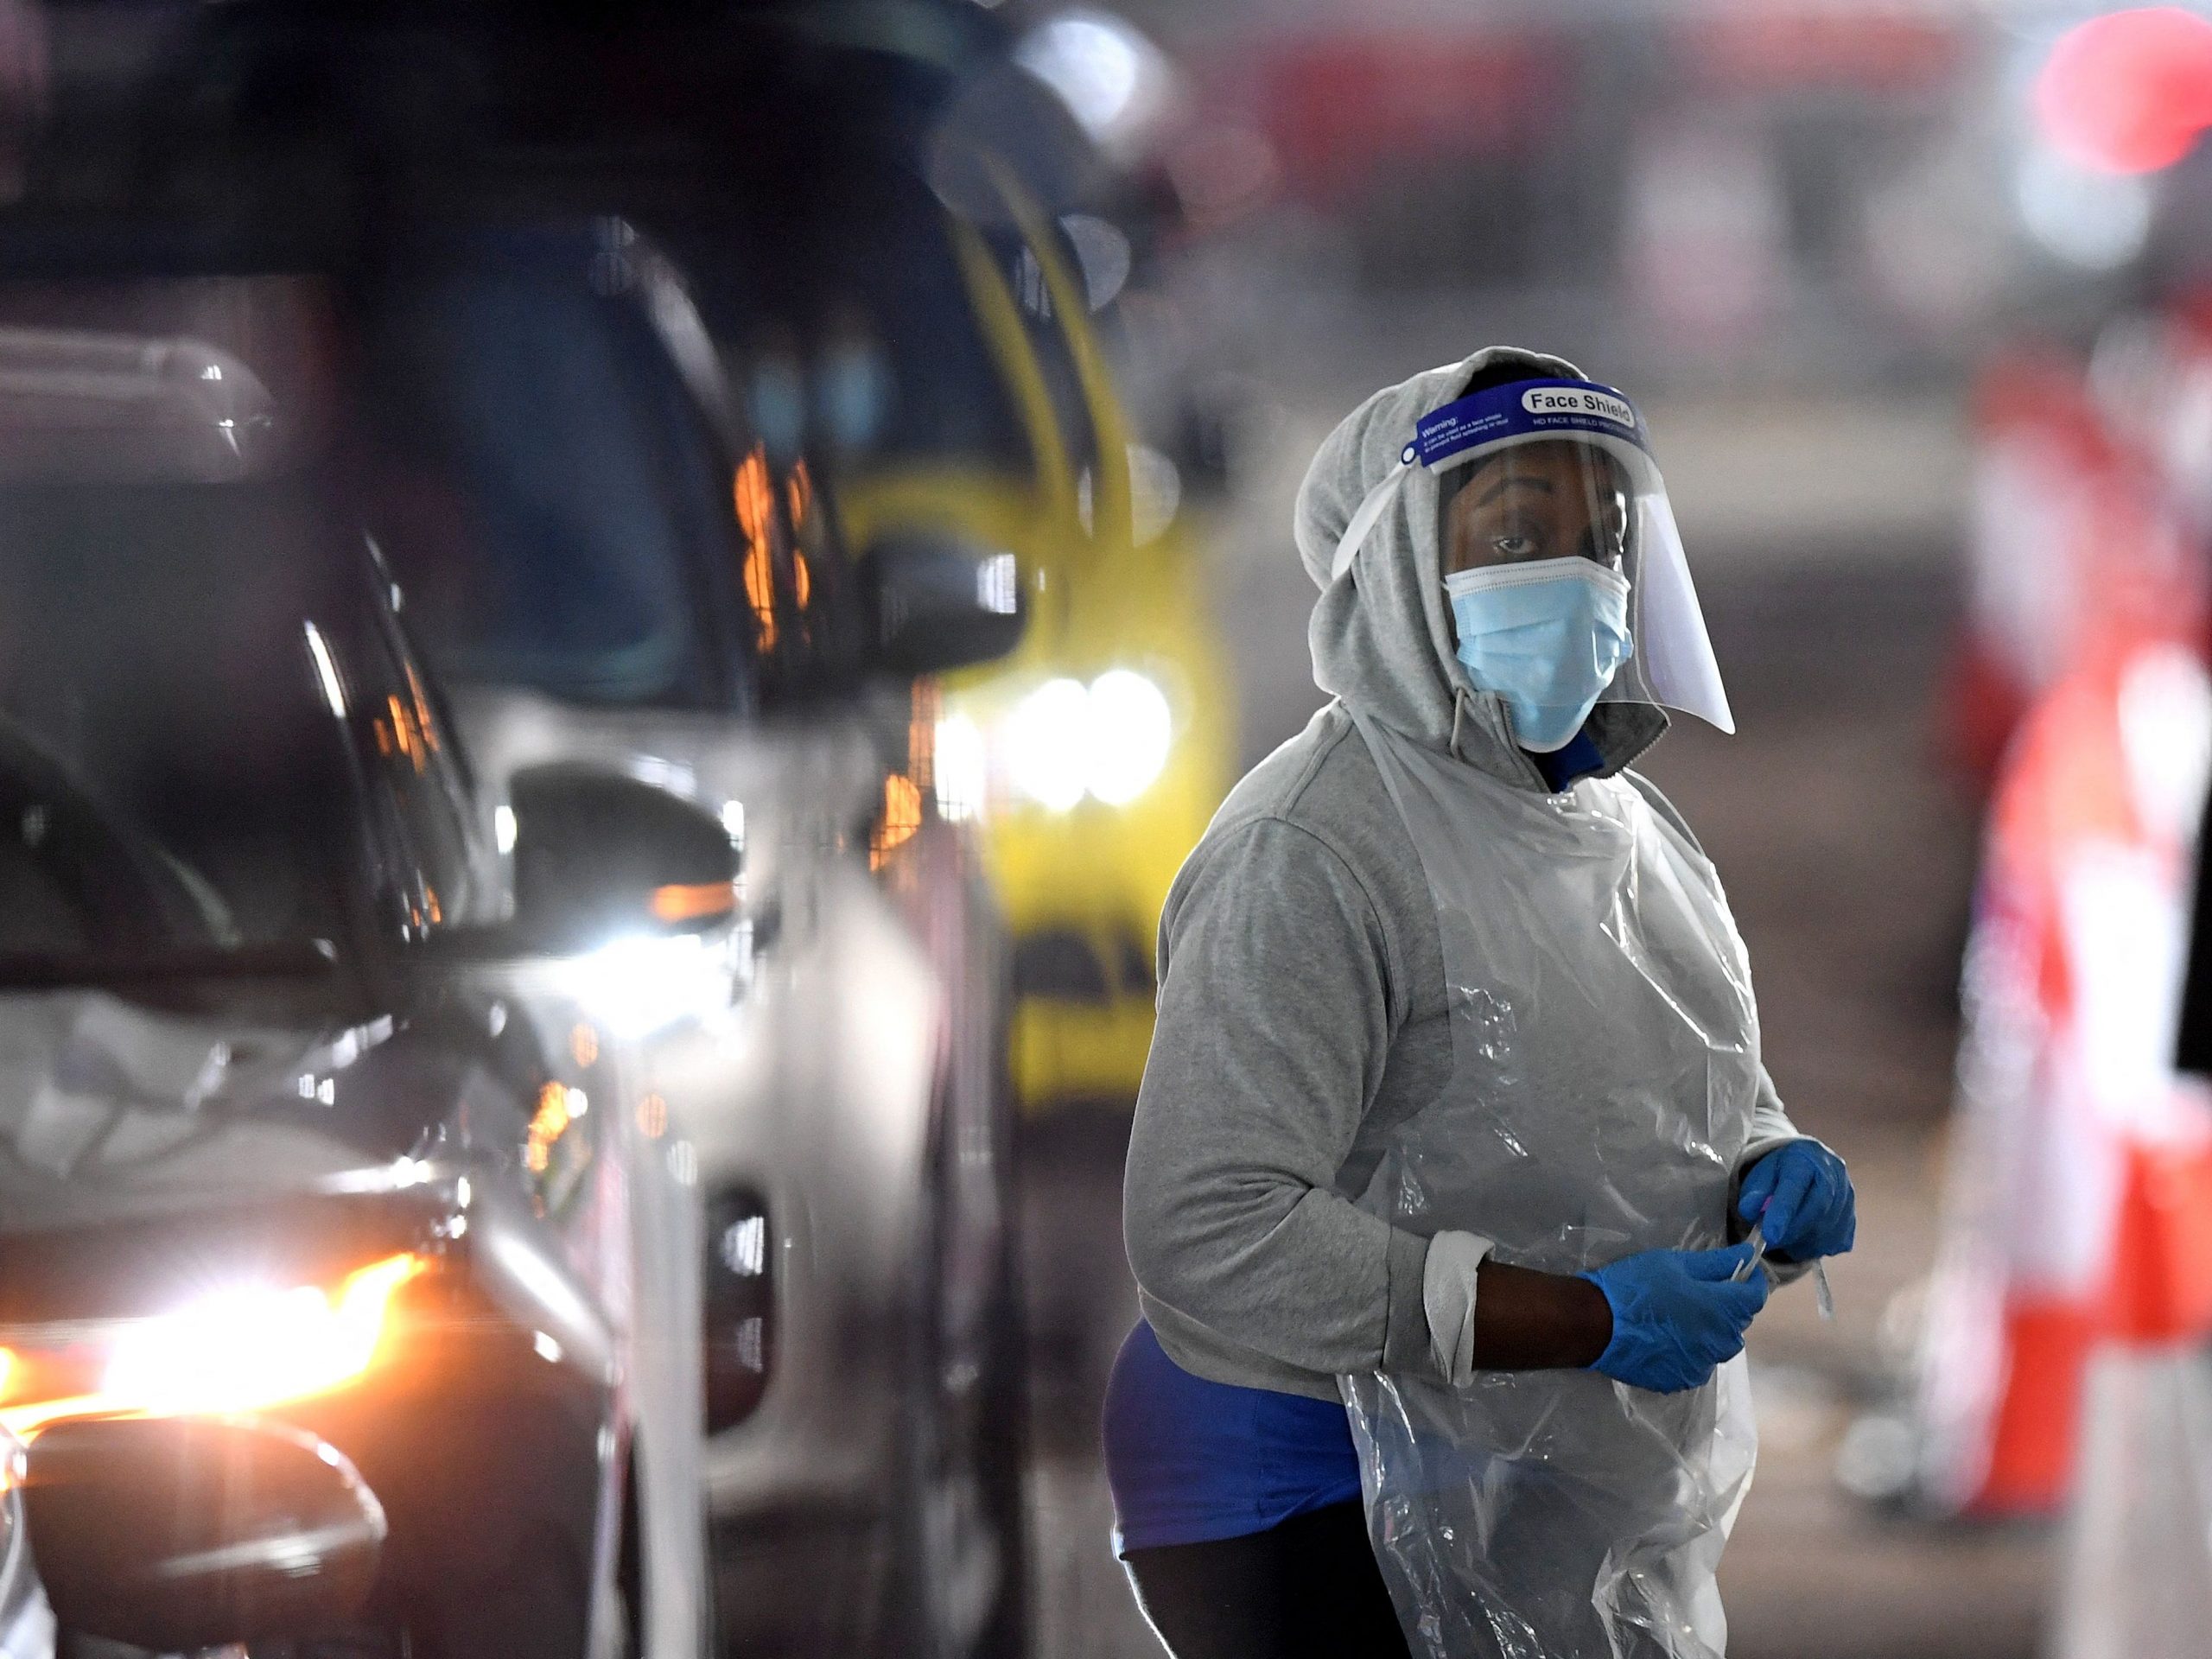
(1192, 1461)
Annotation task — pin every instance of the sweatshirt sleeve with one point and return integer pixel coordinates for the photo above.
(1274, 1020)
(1770, 1128)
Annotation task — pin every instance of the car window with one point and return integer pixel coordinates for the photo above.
(72, 880)
(872, 309)
(157, 653)
(551, 494)
(209, 733)
(415, 777)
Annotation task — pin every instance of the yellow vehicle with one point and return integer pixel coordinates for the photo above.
(1095, 754)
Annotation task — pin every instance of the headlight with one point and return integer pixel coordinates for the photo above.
(641, 983)
(1110, 740)
(1130, 730)
(1046, 741)
(236, 1351)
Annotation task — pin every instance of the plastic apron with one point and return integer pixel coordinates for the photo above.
(1604, 1071)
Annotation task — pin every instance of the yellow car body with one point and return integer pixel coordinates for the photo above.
(1081, 881)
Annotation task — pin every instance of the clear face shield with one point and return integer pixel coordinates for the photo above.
(1559, 555)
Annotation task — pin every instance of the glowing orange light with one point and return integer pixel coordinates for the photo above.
(583, 1043)
(237, 1350)
(2130, 92)
(652, 1116)
(760, 590)
(902, 817)
(548, 1124)
(405, 732)
(693, 901)
(755, 499)
(424, 723)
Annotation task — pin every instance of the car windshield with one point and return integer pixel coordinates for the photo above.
(550, 495)
(888, 304)
(154, 653)
(189, 729)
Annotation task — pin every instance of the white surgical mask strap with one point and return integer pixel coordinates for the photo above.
(1363, 521)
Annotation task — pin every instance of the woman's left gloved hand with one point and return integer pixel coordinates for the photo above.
(1800, 1195)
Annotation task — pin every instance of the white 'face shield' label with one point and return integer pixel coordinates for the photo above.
(1585, 400)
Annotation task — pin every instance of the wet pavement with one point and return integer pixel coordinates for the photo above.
(1846, 848)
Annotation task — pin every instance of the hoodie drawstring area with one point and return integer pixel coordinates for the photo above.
(1461, 696)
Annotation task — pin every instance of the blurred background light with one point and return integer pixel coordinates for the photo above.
(2092, 218)
(1103, 251)
(1155, 492)
(1110, 740)
(2130, 92)
(1044, 744)
(1130, 730)
(998, 584)
(1113, 80)
(963, 763)
(640, 985)
(1090, 61)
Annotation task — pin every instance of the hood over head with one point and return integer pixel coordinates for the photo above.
(1382, 634)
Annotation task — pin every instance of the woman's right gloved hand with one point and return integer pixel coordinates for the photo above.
(1676, 1315)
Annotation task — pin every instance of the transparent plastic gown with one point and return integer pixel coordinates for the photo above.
(1605, 1073)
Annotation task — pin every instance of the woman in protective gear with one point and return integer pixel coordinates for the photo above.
(1456, 1179)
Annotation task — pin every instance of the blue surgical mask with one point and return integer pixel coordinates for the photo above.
(1547, 636)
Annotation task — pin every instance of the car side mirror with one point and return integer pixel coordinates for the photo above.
(599, 856)
(182, 1534)
(940, 600)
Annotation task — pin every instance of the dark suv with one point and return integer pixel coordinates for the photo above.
(342, 1256)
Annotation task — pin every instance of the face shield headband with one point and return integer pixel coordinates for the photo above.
(1673, 663)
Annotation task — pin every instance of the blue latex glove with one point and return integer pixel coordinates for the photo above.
(1675, 1315)
(1800, 1194)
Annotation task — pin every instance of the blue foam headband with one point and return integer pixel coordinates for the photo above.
(1524, 409)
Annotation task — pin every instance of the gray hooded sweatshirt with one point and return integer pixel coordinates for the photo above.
(1301, 1010)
